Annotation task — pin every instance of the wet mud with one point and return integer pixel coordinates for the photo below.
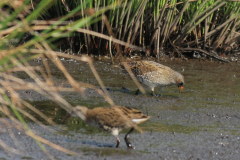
(202, 122)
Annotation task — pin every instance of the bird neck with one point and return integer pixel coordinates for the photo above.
(82, 116)
(178, 77)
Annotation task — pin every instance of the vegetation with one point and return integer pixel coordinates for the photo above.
(17, 48)
(157, 28)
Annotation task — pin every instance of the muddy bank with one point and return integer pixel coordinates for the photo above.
(203, 122)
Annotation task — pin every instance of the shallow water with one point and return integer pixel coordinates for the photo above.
(202, 122)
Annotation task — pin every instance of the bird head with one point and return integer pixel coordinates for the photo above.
(78, 111)
(180, 87)
(180, 82)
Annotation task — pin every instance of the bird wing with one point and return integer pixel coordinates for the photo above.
(145, 67)
(134, 114)
(155, 66)
(119, 117)
(110, 117)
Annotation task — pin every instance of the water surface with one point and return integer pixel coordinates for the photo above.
(202, 122)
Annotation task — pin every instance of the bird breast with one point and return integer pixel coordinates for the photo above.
(156, 78)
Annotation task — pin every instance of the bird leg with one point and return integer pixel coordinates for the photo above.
(152, 93)
(137, 92)
(118, 141)
(129, 145)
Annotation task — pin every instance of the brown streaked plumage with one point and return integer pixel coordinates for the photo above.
(153, 74)
(111, 119)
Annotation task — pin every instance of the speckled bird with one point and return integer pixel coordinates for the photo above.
(111, 119)
(153, 74)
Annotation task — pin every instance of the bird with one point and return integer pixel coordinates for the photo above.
(111, 119)
(153, 74)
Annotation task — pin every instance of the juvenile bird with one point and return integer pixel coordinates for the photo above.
(153, 74)
(111, 119)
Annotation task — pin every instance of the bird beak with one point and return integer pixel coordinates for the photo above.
(69, 115)
(180, 89)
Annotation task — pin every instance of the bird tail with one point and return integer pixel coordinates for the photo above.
(140, 120)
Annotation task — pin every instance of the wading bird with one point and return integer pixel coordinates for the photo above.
(111, 119)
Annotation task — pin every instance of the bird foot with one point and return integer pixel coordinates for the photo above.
(129, 145)
(156, 95)
(137, 92)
